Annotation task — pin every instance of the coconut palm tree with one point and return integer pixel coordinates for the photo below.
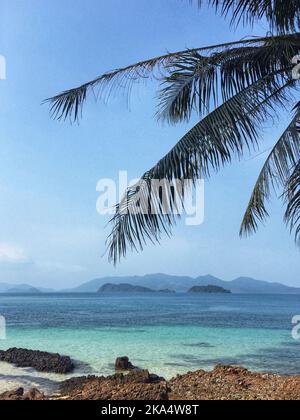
(234, 88)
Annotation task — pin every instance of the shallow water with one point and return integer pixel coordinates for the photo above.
(167, 334)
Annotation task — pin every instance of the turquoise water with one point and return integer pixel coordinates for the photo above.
(167, 334)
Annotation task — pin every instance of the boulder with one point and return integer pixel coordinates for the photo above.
(142, 376)
(123, 363)
(38, 360)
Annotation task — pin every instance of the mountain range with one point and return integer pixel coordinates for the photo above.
(180, 284)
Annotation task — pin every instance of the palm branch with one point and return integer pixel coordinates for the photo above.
(69, 104)
(292, 215)
(198, 83)
(282, 15)
(253, 82)
(245, 82)
(213, 142)
(275, 173)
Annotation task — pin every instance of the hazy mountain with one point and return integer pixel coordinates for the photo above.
(152, 281)
(247, 285)
(22, 288)
(27, 290)
(157, 282)
(180, 284)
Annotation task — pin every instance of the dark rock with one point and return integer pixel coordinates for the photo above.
(123, 363)
(155, 378)
(19, 395)
(138, 376)
(40, 361)
(142, 376)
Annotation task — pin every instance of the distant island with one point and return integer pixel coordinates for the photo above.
(21, 291)
(208, 289)
(182, 284)
(129, 288)
(165, 283)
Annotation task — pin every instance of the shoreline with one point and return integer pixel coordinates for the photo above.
(222, 383)
(38, 375)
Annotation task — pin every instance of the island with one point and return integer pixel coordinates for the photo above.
(208, 289)
(22, 291)
(129, 288)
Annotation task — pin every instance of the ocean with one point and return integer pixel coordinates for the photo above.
(165, 333)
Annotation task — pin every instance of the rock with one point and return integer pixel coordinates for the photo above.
(71, 385)
(18, 395)
(142, 376)
(40, 361)
(138, 376)
(233, 383)
(223, 383)
(123, 363)
(137, 385)
(33, 395)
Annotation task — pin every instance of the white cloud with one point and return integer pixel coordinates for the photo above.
(12, 254)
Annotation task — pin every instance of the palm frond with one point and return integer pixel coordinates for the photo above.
(69, 104)
(275, 173)
(197, 82)
(292, 215)
(282, 15)
(212, 143)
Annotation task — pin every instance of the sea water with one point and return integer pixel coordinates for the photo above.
(165, 333)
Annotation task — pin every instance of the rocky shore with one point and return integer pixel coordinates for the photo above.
(234, 383)
(223, 383)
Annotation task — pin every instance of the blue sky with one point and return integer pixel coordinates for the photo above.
(51, 234)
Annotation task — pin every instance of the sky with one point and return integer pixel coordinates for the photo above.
(50, 232)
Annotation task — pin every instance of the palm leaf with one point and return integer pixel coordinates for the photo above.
(198, 83)
(292, 215)
(282, 15)
(212, 143)
(275, 173)
(69, 103)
